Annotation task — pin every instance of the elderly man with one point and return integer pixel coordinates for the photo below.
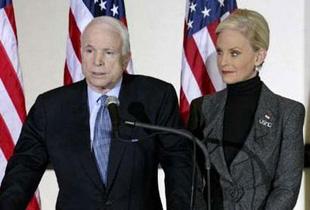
(70, 128)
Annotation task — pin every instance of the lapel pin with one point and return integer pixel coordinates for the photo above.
(265, 123)
(266, 120)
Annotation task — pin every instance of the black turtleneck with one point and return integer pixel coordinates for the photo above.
(241, 104)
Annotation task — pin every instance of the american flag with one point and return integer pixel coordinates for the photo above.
(80, 14)
(12, 108)
(199, 73)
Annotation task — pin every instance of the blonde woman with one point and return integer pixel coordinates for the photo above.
(256, 150)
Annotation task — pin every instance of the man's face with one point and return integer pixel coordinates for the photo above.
(102, 60)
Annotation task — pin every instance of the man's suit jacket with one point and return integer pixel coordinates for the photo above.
(266, 173)
(57, 131)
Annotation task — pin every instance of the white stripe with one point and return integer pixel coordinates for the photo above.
(81, 14)
(9, 113)
(73, 63)
(37, 195)
(9, 42)
(207, 51)
(188, 82)
(204, 43)
(3, 163)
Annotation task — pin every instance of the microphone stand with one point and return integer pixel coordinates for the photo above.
(188, 135)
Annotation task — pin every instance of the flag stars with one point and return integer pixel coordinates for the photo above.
(96, 1)
(190, 24)
(221, 3)
(206, 12)
(102, 5)
(114, 10)
(192, 7)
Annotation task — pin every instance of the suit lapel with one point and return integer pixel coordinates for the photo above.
(214, 113)
(80, 113)
(117, 147)
(263, 122)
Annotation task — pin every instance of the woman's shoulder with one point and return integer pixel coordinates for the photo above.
(283, 103)
(207, 99)
(215, 98)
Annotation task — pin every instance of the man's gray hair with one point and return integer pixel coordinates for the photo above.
(116, 24)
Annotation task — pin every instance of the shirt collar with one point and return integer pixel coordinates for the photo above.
(93, 96)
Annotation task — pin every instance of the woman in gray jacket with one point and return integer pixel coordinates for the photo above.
(254, 137)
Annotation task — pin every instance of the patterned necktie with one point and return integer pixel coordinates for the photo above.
(102, 139)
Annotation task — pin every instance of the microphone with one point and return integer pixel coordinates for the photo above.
(112, 104)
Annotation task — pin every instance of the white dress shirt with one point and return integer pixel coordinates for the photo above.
(94, 105)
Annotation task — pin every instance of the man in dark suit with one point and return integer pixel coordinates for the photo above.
(60, 129)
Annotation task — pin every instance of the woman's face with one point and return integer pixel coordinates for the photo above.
(236, 58)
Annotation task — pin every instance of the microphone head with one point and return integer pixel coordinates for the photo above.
(112, 104)
(111, 100)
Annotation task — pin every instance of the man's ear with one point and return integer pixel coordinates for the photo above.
(260, 57)
(125, 60)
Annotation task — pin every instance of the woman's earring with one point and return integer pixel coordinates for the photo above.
(257, 68)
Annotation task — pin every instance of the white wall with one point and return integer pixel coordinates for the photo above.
(156, 29)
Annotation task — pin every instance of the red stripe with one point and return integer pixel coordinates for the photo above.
(11, 83)
(211, 28)
(67, 77)
(197, 66)
(184, 107)
(6, 141)
(33, 204)
(124, 21)
(10, 14)
(74, 34)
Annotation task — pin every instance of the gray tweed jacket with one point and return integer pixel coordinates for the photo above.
(267, 171)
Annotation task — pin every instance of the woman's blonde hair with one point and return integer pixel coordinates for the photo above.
(251, 24)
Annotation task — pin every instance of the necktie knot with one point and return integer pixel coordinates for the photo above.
(102, 99)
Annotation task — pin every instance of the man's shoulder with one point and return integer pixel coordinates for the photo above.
(145, 81)
(65, 91)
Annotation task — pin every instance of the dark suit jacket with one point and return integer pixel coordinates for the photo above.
(267, 171)
(57, 131)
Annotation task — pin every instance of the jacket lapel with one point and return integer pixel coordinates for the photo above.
(80, 112)
(117, 148)
(263, 122)
(214, 113)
